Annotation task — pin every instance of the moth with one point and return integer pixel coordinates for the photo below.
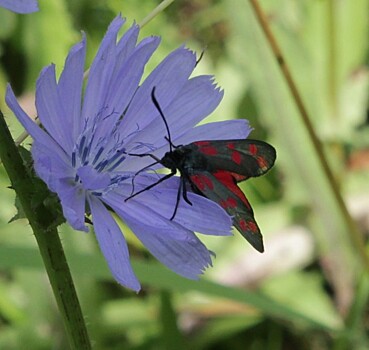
(213, 169)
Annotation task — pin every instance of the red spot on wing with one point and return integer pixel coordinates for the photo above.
(202, 182)
(228, 180)
(236, 157)
(230, 202)
(253, 149)
(248, 226)
(263, 164)
(252, 227)
(209, 150)
(205, 147)
(202, 143)
(243, 224)
(231, 145)
(238, 177)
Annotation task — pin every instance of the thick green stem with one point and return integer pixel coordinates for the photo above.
(48, 241)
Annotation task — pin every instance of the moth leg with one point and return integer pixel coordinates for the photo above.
(143, 155)
(177, 199)
(138, 172)
(151, 186)
(157, 161)
(184, 191)
(181, 190)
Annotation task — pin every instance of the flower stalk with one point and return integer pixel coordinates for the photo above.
(160, 8)
(48, 241)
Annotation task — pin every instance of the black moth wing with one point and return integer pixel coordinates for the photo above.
(248, 158)
(221, 187)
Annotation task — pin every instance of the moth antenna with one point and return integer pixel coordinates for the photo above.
(156, 103)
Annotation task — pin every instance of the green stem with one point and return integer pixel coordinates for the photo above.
(171, 335)
(332, 58)
(161, 7)
(48, 241)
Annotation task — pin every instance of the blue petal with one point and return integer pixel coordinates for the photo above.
(203, 215)
(136, 208)
(91, 179)
(225, 130)
(20, 6)
(112, 245)
(127, 44)
(127, 77)
(197, 99)
(32, 128)
(188, 258)
(123, 86)
(100, 73)
(70, 88)
(168, 78)
(51, 110)
(73, 200)
(49, 166)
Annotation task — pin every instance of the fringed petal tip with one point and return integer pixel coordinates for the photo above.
(116, 24)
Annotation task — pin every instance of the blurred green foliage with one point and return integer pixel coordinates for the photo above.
(308, 291)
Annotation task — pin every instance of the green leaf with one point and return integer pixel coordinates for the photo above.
(304, 293)
(222, 328)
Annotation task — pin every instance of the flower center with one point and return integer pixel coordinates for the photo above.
(97, 155)
(91, 179)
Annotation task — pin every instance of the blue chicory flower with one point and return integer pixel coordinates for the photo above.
(20, 6)
(81, 153)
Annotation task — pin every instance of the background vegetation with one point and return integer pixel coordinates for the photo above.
(310, 289)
